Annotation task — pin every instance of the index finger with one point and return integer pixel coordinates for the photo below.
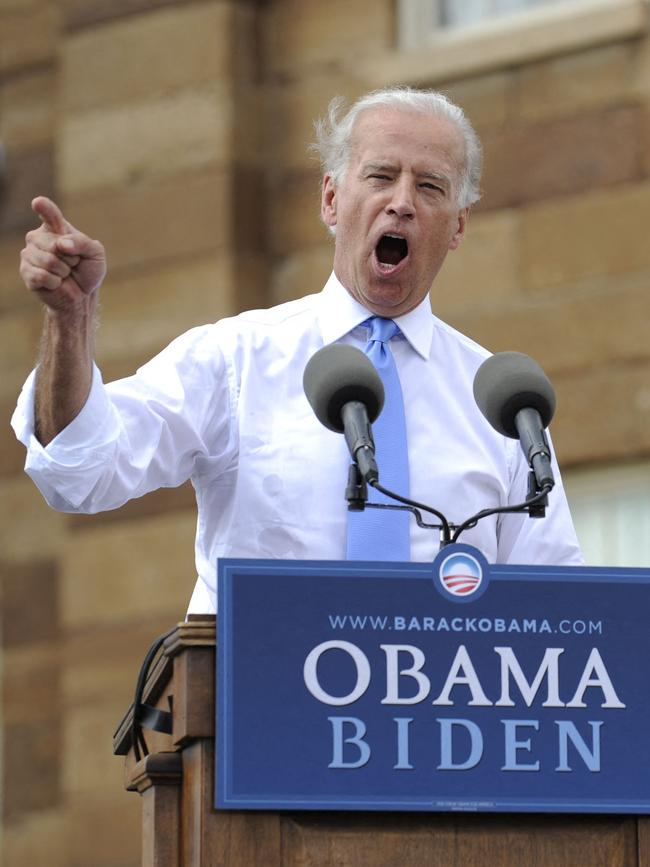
(51, 216)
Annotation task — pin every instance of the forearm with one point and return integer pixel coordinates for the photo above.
(64, 372)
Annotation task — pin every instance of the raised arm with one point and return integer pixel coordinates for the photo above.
(64, 268)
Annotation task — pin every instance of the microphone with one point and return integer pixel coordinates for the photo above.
(517, 398)
(346, 394)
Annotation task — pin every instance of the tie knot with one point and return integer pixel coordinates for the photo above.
(382, 329)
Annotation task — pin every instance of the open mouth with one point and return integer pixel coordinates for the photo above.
(390, 251)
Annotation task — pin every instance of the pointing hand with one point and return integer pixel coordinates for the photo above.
(59, 263)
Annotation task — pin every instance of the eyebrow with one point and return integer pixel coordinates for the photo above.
(378, 167)
(390, 168)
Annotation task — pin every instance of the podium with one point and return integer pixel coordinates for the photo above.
(181, 827)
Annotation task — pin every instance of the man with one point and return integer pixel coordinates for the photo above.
(224, 404)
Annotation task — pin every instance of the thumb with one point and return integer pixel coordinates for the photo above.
(51, 216)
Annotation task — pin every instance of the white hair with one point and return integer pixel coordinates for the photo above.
(334, 132)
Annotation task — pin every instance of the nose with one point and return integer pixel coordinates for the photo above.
(401, 203)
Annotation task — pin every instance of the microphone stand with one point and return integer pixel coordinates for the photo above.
(356, 494)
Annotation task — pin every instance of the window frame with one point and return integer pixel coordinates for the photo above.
(445, 53)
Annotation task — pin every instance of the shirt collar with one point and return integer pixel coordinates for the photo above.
(339, 313)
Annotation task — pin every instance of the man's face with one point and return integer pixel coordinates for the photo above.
(396, 207)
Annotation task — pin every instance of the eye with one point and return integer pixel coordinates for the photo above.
(428, 185)
(379, 177)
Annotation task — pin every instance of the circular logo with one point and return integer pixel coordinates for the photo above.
(461, 574)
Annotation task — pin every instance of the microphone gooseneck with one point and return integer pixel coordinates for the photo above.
(347, 395)
(517, 398)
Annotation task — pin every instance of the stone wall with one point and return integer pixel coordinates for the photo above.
(141, 119)
(177, 133)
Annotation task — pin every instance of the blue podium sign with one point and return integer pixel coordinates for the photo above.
(448, 686)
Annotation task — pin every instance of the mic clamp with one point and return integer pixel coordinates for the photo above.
(356, 492)
(536, 509)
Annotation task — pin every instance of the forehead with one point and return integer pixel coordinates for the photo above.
(386, 133)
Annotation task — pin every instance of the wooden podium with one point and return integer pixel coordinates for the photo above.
(181, 828)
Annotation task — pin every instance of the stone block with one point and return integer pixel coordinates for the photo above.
(12, 453)
(13, 293)
(29, 597)
(19, 338)
(485, 99)
(248, 143)
(177, 216)
(80, 14)
(27, 111)
(562, 157)
(303, 273)
(641, 61)
(573, 84)
(587, 237)
(300, 34)
(609, 418)
(645, 138)
(29, 173)
(140, 57)
(31, 530)
(140, 142)
(87, 757)
(600, 323)
(248, 211)
(31, 680)
(251, 280)
(128, 571)
(36, 838)
(107, 824)
(102, 664)
(294, 212)
(483, 272)
(30, 34)
(31, 766)
(290, 112)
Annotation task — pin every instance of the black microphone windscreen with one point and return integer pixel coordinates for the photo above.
(336, 375)
(508, 382)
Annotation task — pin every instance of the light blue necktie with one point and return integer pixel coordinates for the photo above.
(383, 534)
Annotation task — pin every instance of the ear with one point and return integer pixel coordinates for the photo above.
(463, 218)
(328, 201)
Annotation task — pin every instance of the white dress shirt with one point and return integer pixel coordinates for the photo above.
(224, 406)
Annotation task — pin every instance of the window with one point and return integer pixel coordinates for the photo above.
(450, 37)
(611, 512)
(450, 13)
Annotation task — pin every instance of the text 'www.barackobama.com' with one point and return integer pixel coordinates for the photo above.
(419, 623)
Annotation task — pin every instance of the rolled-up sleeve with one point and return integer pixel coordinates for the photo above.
(66, 469)
(136, 434)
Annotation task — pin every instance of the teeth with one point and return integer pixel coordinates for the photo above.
(399, 237)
